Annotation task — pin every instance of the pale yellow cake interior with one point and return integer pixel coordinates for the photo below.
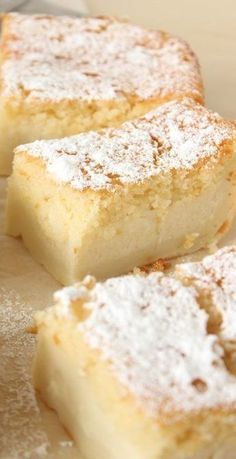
(75, 233)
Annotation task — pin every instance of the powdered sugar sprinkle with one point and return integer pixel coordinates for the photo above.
(60, 58)
(153, 333)
(177, 135)
(217, 275)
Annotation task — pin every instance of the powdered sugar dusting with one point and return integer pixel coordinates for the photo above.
(217, 275)
(177, 135)
(61, 58)
(153, 333)
(26, 432)
(20, 433)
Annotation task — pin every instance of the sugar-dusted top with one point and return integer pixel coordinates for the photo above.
(217, 274)
(175, 135)
(101, 58)
(153, 334)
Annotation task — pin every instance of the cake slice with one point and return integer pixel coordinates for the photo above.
(132, 371)
(103, 202)
(61, 76)
(215, 281)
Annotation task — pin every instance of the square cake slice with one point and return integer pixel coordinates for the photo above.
(60, 76)
(103, 202)
(215, 280)
(132, 371)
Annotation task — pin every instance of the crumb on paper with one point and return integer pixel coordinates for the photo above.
(66, 443)
(158, 265)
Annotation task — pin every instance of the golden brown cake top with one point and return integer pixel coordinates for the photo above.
(176, 135)
(153, 335)
(61, 58)
(216, 275)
